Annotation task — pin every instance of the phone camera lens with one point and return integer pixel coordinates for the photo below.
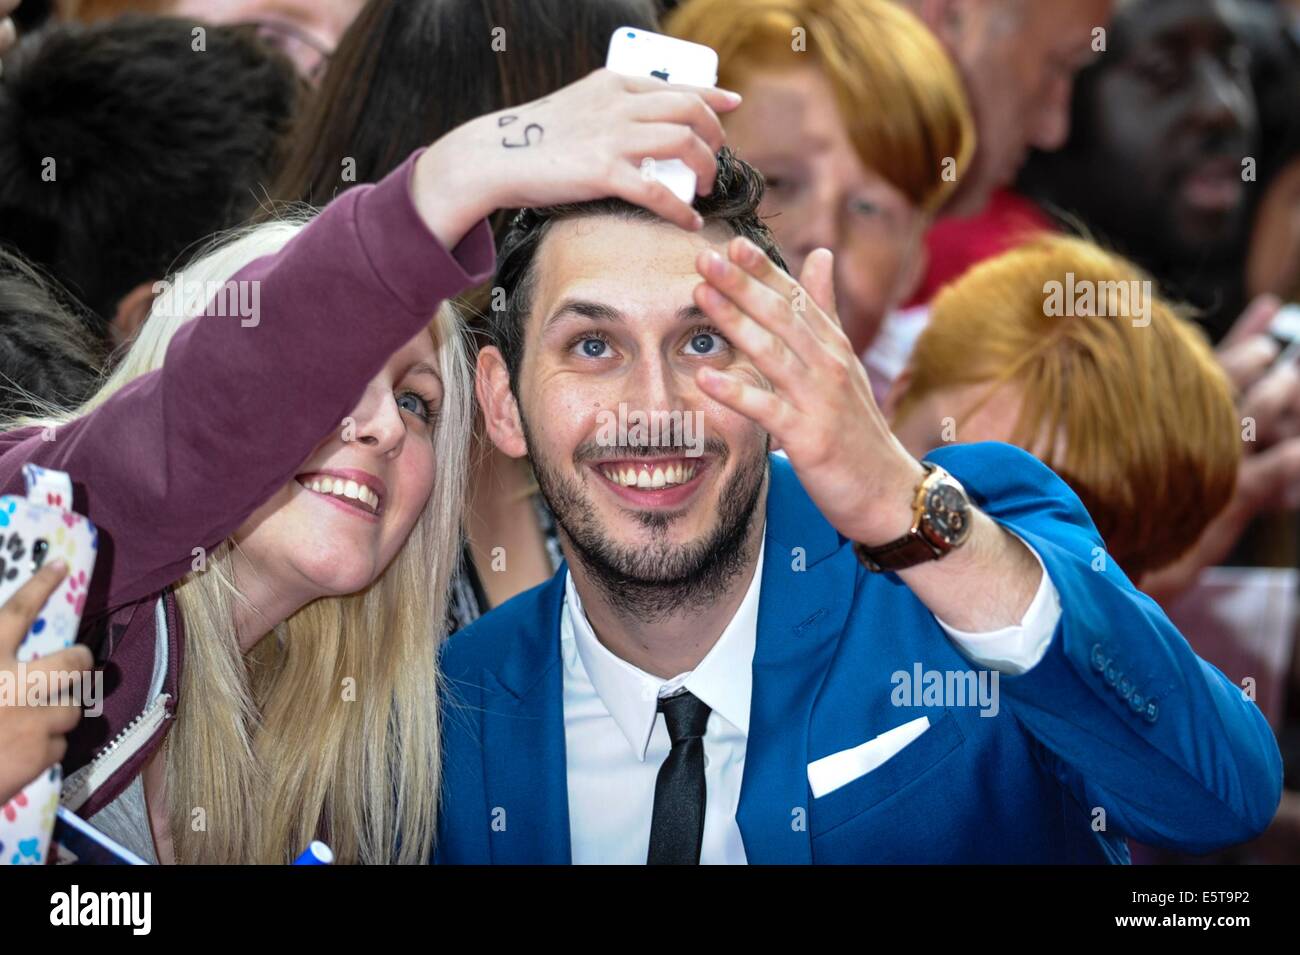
(40, 548)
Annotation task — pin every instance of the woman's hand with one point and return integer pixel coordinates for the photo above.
(589, 140)
(32, 736)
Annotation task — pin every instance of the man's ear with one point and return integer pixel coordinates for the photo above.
(132, 310)
(500, 410)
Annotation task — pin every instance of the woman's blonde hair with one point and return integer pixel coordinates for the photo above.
(899, 95)
(328, 728)
(1124, 398)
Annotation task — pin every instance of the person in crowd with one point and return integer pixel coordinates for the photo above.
(278, 490)
(765, 605)
(406, 73)
(1018, 59)
(122, 145)
(875, 134)
(1116, 392)
(1273, 261)
(307, 31)
(1165, 128)
(48, 359)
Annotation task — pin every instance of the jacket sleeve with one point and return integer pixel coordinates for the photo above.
(180, 457)
(1126, 715)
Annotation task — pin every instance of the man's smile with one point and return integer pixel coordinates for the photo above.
(652, 482)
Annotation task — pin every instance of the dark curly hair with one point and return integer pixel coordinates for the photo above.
(158, 144)
(733, 202)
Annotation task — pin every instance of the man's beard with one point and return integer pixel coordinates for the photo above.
(659, 579)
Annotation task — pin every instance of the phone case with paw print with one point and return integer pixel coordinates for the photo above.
(34, 531)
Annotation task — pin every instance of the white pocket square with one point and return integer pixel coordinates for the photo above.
(829, 773)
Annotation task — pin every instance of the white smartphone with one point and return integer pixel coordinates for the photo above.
(636, 52)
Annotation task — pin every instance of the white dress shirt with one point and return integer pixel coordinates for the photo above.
(616, 740)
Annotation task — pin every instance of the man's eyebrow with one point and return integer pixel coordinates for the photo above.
(584, 309)
(599, 312)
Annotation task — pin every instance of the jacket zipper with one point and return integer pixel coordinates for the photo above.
(78, 787)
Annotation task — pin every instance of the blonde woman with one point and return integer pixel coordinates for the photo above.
(278, 486)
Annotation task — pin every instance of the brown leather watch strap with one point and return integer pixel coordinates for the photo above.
(905, 552)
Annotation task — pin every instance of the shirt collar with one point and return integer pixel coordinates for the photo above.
(724, 679)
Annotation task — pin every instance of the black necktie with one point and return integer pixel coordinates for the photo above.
(677, 826)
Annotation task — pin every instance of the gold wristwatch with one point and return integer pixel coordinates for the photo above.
(941, 522)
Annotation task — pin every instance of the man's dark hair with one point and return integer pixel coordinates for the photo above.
(155, 145)
(47, 356)
(737, 192)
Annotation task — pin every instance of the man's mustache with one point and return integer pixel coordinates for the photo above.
(591, 452)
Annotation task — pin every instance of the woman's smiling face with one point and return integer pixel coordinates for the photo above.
(353, 503)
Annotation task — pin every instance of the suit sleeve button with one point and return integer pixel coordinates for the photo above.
(1152, 712)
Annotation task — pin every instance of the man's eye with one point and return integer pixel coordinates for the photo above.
(1161, 71)
(592, 347)
(706, 343)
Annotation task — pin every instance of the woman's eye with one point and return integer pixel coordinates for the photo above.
(705, 343)
(864, 207)
(410, 402)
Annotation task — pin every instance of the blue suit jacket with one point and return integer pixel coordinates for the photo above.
(1120, 715)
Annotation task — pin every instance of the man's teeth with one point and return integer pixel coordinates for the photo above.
(648, 477)
(341, 488)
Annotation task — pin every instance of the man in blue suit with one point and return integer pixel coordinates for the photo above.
(834, 654)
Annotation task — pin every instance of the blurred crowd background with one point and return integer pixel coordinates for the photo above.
(960, 157)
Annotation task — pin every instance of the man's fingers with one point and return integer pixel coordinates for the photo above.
(763, 407)
(20, 611)
(818, 277)
(768, 352)
(761, 304)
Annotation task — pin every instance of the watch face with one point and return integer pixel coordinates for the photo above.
(947, 514)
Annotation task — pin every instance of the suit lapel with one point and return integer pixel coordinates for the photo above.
(803, 604)
(523, 741)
